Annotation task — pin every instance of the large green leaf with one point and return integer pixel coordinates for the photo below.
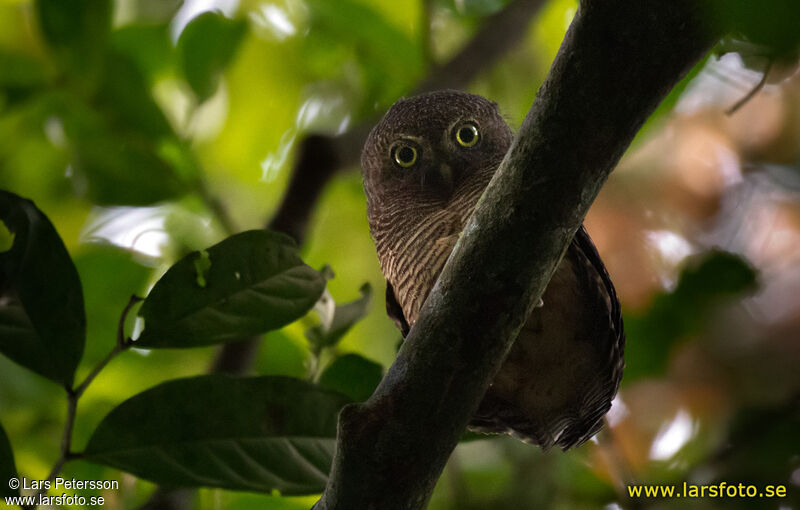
(344, 318)
(205, 47)
(257, 434)
(21, 76)
(125, 99)
(77, 32)
(352, 375)
(42, 320)
(7, 468)
(250, 283)
(119, 140)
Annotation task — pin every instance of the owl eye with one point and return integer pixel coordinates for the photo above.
(467, 134)
(405, 155)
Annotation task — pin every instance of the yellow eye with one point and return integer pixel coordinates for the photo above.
(467, 135)
(405, 155)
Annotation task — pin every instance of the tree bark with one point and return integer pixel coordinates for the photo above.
(618, 60)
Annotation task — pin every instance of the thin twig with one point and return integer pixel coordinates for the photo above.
(121, 344)
(66, 442)
(320, 157)
(501, 32)
(601, 88)
(753, 91)
(74, 394)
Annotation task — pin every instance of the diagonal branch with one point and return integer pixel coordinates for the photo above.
(320, 157)
(618, 61)
(500, 34)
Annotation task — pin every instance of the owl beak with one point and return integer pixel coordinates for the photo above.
(446, 176)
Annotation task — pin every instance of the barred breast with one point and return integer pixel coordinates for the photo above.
(564, 368)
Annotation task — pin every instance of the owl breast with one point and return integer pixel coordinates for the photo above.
(413, 243)
(564, 368)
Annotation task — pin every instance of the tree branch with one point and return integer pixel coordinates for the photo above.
(74, 394)
(320, 157)
(498, 35)
(618, 61)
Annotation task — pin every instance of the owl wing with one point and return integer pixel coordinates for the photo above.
(589, 250)
(563, 370)
(395, 311)
(600, 401)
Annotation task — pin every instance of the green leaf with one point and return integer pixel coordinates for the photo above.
(708, 281)
(77, 31)
(352, 375)
(125, 100)
(18, 70)
(7, 468)
(42, 319)
(256, 282)
(389, 61)
(770, 23)
(344, 318)
(124, 170)
(21, 76)
(205, 47)
(148, 45)
(256, 434)
(118, 142)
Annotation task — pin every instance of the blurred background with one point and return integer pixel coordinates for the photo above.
(144, 131)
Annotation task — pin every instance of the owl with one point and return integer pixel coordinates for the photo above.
(425, 165)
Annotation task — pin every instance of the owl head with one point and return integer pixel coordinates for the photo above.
(430, 148)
